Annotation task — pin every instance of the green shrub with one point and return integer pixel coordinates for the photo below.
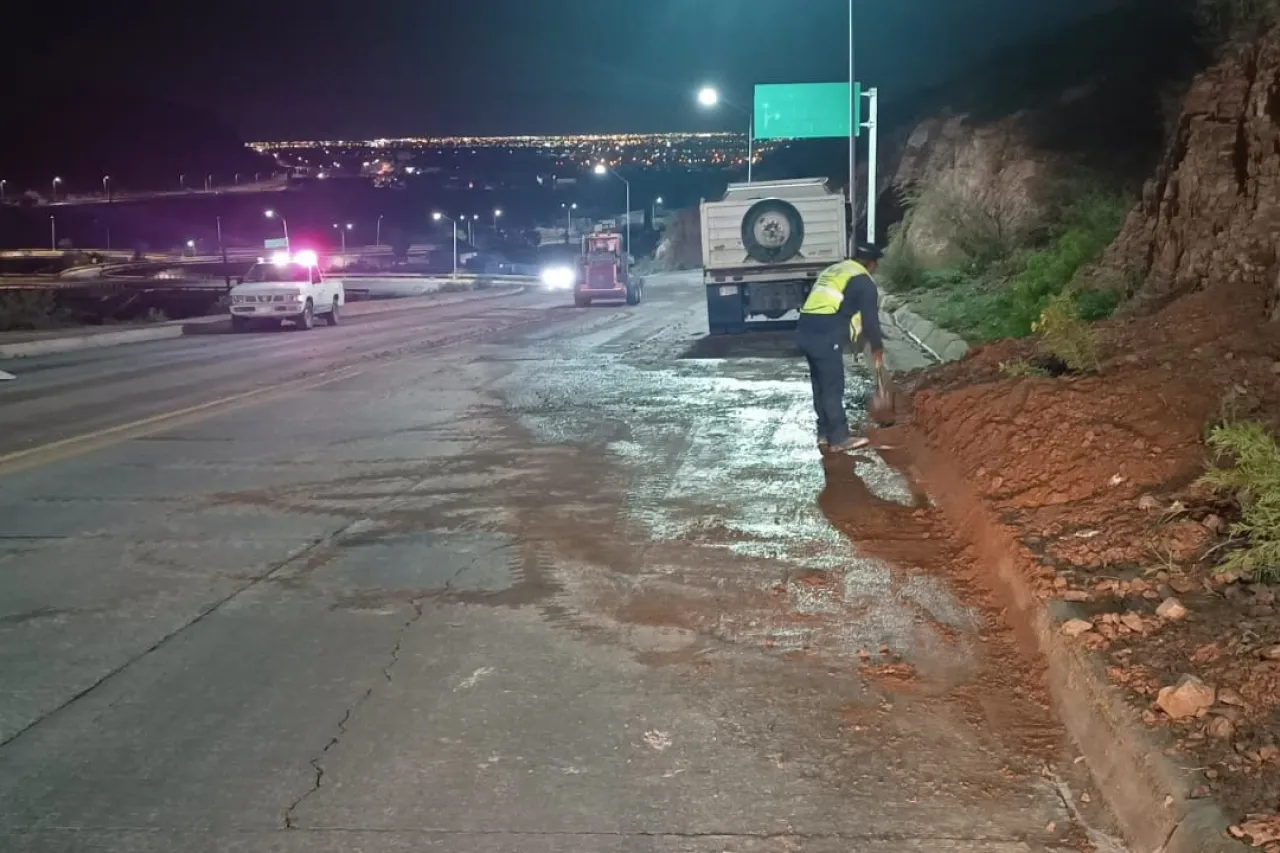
(982, 230)
(1095, 305)
(901, 269)
(1091, 221)
(1022, 369)
(1066, 336)
(1253, 478)
(27, 309)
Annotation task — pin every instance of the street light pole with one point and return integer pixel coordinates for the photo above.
(106, 187)
(873, 114)
(271, 214)
(222, 250)
(602, 169)
(453, 225)
(55, 183)
(53, 233)
(496, 213)
(377, 238)
(3, 184)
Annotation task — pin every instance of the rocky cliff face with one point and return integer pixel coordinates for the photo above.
(956, 165)
(1210, 218)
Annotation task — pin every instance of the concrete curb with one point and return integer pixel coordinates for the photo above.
(1148, 793)
(938, 342)
(74, 342)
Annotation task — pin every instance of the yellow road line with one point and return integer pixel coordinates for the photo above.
(78, 445)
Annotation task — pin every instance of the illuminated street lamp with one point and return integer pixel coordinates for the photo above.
(56, 181)
(191, 244)
(496, 213)
(657, 202)
(271, 214)
(3, 184)
(343, 231)
(106, 186)
(182, 181)
(471, 234)
(437, 216)
(568, 218)
(602, 169)
(377, 238)
(709, 98)
(208, 182)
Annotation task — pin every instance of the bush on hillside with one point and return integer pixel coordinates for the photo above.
(1252, 476)
(982, 229)
(27, 309)
(901, 268)
(1066, 336)
(1091, 220)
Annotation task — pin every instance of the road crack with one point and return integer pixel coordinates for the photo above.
(317, 763)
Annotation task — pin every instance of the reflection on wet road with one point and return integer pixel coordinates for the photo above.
(578, 583)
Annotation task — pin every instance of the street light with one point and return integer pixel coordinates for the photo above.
(53, 233)
(602, 169)
(709, 97)
(568, 217)
(471, 234)
(191, 244)
(106, 186)
(182, 181)
(496, 213)
(56, 181)
(343, 232)
(657, 202)
(437, 216)
(377, 238)
(3, 184)
(271, 214)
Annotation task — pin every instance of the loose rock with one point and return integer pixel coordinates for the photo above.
(1220, 728)
(1148, 503)
(1228, 696)
(1186, 698)
(1076, 627)
(1171, 609)
(1272, 653)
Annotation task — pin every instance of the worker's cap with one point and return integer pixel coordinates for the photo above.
(867, 252)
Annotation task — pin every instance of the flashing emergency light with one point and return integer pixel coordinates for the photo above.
(307, 258)
(280, 258)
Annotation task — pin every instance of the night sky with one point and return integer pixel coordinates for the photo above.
(400, 67)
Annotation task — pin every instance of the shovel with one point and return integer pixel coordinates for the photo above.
(880, 407)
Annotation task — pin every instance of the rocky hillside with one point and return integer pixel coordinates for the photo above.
(1210, 216)
(1096, 98)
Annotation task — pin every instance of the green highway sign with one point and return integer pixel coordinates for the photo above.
(805, 110)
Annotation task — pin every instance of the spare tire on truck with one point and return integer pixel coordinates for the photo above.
(772, 231)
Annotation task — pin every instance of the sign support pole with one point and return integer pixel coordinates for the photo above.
(853, 140)
(873, 112)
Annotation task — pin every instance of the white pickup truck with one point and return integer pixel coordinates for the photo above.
(286, 289)
(763, 245)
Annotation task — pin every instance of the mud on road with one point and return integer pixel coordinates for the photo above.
(588, 550)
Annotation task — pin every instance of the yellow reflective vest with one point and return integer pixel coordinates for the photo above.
(828, 292)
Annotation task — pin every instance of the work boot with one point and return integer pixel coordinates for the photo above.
(850, 444)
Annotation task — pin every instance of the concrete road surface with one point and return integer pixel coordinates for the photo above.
(502, 575)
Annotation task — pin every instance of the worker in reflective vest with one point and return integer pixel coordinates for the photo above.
(843, 307)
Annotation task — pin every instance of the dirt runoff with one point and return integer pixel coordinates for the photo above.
(1097, 478)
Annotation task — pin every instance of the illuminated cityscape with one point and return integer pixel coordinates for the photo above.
(650, 151)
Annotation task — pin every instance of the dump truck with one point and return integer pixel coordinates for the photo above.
(763, 244)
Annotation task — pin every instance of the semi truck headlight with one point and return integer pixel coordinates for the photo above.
(558, 278)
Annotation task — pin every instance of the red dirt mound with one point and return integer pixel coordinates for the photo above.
(1097, 475)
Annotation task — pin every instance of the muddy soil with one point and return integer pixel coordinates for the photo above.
(1097, 476)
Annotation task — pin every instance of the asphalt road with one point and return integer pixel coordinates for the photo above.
(495, 576)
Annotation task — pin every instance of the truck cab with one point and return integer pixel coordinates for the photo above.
(604, 272)
(286, 289)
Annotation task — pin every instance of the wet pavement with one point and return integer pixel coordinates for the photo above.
(533, 578)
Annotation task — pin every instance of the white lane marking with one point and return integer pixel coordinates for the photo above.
(4, 377)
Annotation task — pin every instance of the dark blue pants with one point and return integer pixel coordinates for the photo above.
(826, 373)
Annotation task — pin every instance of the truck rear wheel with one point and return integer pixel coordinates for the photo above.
(332, 317)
